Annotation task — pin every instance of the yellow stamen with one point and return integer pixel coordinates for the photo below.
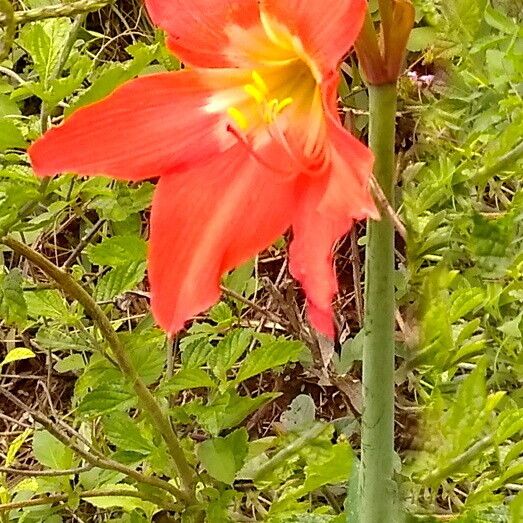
(259, 82)
(283, 104)
(255, 93)
(239, 118)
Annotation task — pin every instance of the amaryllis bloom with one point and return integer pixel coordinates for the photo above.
(246, 142)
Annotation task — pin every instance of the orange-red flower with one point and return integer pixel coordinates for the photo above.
(246, 142)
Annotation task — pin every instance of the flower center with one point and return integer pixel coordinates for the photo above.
(273, 97)
(267, 108)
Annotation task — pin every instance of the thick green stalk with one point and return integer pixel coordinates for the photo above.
(377, 444)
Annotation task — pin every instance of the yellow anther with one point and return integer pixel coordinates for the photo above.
(283, 104)
(259, 82)
(239, 118)
(255, 93)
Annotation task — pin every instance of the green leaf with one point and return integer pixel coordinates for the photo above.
(120, 279)
(228, 351)
(275, 354)
(8, 107)
(45, 41)
(51, 452)
(516, 508)
(118, 251)
(11, 136)
(227, 410)
(125, 503)
(239, 279)
(510, 423)
(104, 399)
(123, 432)
(221, 313)
(186, 379)
(196, 353)
(422, 38)
(17, 354)
(334, 469)
(15, 446)
(113, 75)
(300, 415)
(73, 362)
(49, 304)
(146, 349)
(224, 457)
(13, 307)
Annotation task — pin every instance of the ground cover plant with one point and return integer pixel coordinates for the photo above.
(248, 414)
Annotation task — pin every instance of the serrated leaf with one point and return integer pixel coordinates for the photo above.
(221, 313)
(146, 348)
(275, 354)
(120, 279)
(13, 307)
(118, 251)
(17, 354)
(224, 457)
(227, 410)
(56, 338)
(334, 468)
(70, 363)
(47, 303)
(11, 136)
(228, 351)
(51, 452)
(186, 379)
(114, 75)
(105, 399)
(123, 432)
(44, 41)
(196, 353)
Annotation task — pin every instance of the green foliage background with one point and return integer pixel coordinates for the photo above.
(459, 289)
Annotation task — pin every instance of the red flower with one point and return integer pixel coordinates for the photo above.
(246, 142)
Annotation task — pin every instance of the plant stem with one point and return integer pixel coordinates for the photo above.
(147, 400)
(503, 163)
(377, 443)
(456, 464)
(57, 11)
(291, 449)
(50, 500)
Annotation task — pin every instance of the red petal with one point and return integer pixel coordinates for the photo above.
(347, 194)
(150, 126)
(311, 254)
(207, 222)
(327, 207)
(198, 29)
(327, 30)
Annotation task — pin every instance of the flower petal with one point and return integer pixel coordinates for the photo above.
(207, 222)
(347, 194)
(311, 254)
(327, 30)
(197, 29)
(326, 209)
(150, 126)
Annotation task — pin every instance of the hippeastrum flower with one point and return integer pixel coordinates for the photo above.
(246, 142)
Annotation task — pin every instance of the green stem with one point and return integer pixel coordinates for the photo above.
(56, 11)
(51, 500)
(291, 449)
(456, 464)
(147, 400)
(502, 164)
(377, 439)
